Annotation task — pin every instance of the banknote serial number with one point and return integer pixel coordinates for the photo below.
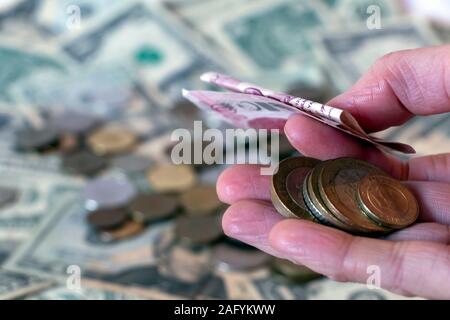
(226, 309)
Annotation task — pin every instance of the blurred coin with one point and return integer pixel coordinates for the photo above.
(108, 192)
(198, 230)
(151, 207)
(200, 199)
(107, 218)
(76, 122)
(292, 271)
(171, 178)
(338, 187)
(68, 143)
(36, 139)
(7, 196)
(387, 201)
(229, 258)
(287, 186)
(112, 139)
(127, 230)
(132, 163)
(84, 163)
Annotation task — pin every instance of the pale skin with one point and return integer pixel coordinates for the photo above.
(414, 261)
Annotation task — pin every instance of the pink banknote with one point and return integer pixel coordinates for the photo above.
(251, 106)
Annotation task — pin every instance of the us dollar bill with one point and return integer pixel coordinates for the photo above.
(15, 284)
(37, 194)
(350, 54)
(139, 37)
(147, 264)
(286, 25)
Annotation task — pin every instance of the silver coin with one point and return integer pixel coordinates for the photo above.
(70, 121)
(229, 258)
(7, 196)
(132, 163)
(108, 192)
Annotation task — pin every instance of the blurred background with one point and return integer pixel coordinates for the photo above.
(90, 92)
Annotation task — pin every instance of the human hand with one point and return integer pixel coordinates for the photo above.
(413, 261)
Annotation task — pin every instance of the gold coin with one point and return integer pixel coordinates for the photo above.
(315, 203)
(338, 187)
(171, 178)
(287, 184)
(387, 201)
(112, 139)
(201, 199)
(129, 229)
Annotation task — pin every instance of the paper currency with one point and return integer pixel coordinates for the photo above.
(349, 55)
(15, 284)
(256, 107)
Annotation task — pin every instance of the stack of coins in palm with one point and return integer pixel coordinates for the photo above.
(345, 193)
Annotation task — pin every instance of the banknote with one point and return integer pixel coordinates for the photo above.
(137, 37)
(58, 17)
(148, 263)
(350, 54)
(256, 107)
(20, 64)
(15, 284)
(287, 26)
(64, 293)
(348, 12)
(38, 194)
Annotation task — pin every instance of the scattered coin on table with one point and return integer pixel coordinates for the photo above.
(171, 178)
(147, 208)
(112, 139)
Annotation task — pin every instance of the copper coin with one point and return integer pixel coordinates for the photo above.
(112, 139)
(287, 186)
(338, 187)
(200, 199)
(107, 218)
(127, 230)
(387, 201)
(171, 178)
(68, 143)
(151, 207)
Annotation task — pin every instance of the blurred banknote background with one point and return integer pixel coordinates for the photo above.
(90, 92)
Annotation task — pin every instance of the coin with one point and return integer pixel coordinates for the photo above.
(315, 203)
(127, 230)
(229, 258)
(338, 187)
(107, 218)
(36, 139)
(171, 178)
(108, 192)
(201, 199)
(112, 139)
(84, 163)
(131, 163)
(198, 230)
(7, 196)
(287, 185)
(387, 201)
(151, 207)
(70, 121)
(292, 271)
(68, 143)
